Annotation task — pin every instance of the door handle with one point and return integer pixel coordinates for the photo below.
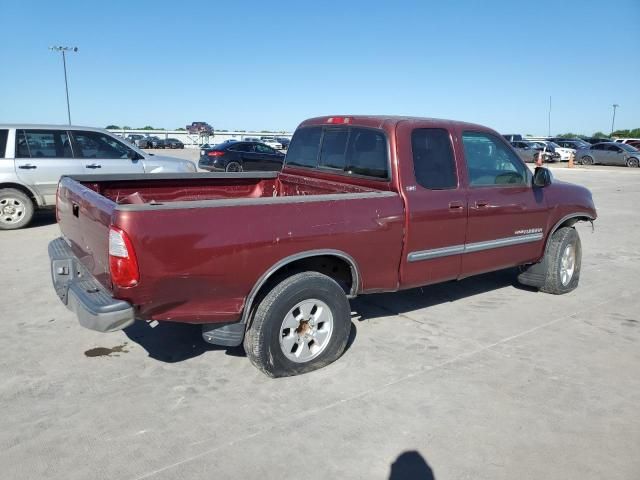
(482, 204)
(458, 206)
(28, 166)
(93, 165)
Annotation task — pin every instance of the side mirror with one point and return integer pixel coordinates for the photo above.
(132, 155)
(541, 177)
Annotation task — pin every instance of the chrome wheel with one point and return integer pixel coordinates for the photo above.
(587, 161)
(632, 162)
(234, 167)
(567, 264)
(306, 330)
(12, 210)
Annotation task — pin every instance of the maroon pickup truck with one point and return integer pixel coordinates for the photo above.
(364, 204)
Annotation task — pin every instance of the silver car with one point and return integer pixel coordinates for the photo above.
(34, 157)
(609, 153)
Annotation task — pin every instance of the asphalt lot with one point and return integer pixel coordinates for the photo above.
(480, 379)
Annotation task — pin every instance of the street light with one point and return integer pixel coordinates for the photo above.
(64, 64)
(613, 120)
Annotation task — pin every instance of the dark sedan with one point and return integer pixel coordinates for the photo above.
(173, 143)
(240, 156)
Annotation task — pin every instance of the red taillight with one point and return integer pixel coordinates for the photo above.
(215, 153)
(339, 120)
(123, 264)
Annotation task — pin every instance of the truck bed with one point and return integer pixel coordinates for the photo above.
(162, 189)
(202, 240)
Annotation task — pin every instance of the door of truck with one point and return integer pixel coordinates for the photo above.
(102, 154)
(41, 158)
(435, 201)
(507, 216)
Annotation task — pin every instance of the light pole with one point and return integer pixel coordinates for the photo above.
(549, 120)
(613, 120)
(64, 64)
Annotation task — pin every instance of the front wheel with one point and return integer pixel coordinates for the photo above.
(632, 162)
(587, 160)
(301, 325)
(563, 259)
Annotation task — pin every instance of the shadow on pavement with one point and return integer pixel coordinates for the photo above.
(42, 218)
(396, 303)
(411, 465)
(175, 342)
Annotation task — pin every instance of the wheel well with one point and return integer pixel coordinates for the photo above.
(23, 189)
(567, 222)
(340, 269)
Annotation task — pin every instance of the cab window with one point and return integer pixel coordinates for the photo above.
(491, 163)
(3, 142)
(433, 162)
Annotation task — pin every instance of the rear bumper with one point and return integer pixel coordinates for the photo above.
(94, 306)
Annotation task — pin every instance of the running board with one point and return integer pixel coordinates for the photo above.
(225, 335)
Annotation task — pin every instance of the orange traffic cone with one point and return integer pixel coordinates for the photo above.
(572, 158)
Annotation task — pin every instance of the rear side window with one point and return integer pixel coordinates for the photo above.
(305, 146)
(43, 144)
(3, 142)
(433, 162)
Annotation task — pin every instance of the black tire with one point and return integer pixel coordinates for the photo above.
(562, 239)
(632, 162)
(16, 209)
(587, 160)
(233, 167)
(262, 340)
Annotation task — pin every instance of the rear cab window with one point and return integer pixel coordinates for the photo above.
(434, 165)
(348, 150)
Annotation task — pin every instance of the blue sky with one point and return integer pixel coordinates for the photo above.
(270, 65)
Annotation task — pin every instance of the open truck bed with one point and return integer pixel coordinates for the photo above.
(202, 240)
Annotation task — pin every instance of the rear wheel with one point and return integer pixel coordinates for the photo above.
(16, 209)
(233, 167)
(632, 162)
(587, 160)
(301, 325)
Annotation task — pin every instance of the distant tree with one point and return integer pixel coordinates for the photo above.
(126, 127)
(147, 127)
(112, 127)
(569, 135)
(600, 135)
(181, 129)
(633, 133)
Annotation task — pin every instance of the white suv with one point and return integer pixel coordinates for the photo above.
(34, 157)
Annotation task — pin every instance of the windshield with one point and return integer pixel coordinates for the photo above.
(552, 144)
(628, 148)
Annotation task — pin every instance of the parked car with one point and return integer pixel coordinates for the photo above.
(571, 143)
(34, 157)
(173, 143)
(513, 137)
(634, 143)
(549, 155)
(272, 142)
(564, 153)
(284, 141)
(594, 140)
(251, 139)
(609, 153)
(199, 128)
(627, 140)
(271, 258)
(240, 156)
(133, 139)
(524, 150)
(155, 142)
